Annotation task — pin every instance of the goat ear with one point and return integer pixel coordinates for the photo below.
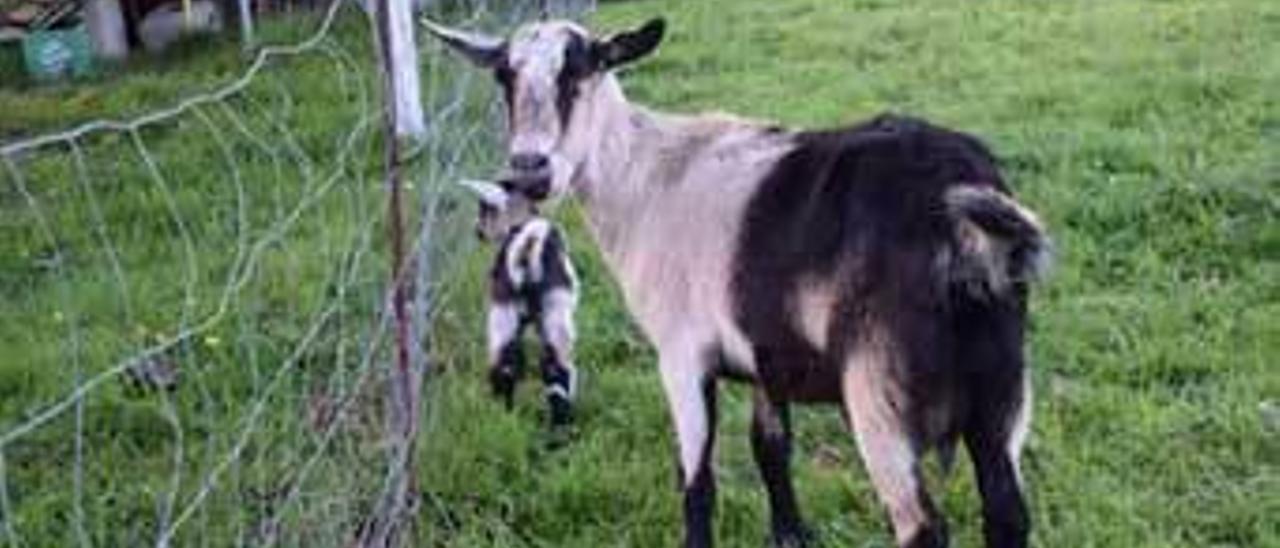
(488, 192)
(625, 47)
(481, 50)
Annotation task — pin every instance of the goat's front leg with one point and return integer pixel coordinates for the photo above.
(691, 397)
(506, 359)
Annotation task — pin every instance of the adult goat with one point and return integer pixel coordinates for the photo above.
(882, 266)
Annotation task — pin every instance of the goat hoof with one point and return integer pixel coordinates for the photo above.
(794, 536)
(934, 536)
(561, 411)
(503, 383)
(558, 437)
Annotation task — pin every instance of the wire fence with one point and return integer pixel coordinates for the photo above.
(196, 314)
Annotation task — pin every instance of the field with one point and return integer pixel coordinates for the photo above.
(1146, 133)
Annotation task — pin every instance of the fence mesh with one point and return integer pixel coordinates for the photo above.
(195, 301)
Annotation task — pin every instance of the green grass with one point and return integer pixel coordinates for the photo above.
(1147, 134)
(260, 227)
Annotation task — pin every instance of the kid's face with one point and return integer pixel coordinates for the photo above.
(500, 212)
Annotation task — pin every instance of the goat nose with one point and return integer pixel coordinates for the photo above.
(529, 161)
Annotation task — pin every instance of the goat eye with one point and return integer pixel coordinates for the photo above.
(505, 75)
(577, 60)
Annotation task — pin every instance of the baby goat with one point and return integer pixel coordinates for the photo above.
(531, 281)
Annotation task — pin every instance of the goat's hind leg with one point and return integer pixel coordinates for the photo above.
(994, 439)
(506, 357)
(771, 445)
(559, 377)
(991, 351)
(889, 449)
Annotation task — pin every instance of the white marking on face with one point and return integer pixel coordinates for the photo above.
(536, 58)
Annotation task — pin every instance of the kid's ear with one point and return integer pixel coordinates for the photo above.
(489, 193)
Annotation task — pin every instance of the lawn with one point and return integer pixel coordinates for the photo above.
(1146, 133)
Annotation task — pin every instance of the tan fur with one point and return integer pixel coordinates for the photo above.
(664, 196)
(875, 405)
(813, 305)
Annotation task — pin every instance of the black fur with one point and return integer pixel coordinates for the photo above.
(554, 374)
(505, 374)
(772, 451)
(1026, 240)
(628, 46)
(577, 65)
(506, 77)
(866, 200)
(554, 273)
(527, 297)
(867, 206)
(990, 353)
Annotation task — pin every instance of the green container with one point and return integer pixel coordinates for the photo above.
(53, 54)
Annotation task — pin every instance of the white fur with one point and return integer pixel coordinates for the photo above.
(874, 403)
(682, 380)
(536, 55)
(557, 328)
(488, 192)
(503, 326)
(523, 257)
(1021, 428)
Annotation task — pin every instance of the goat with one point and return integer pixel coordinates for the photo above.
(884, 267)
(531, 281)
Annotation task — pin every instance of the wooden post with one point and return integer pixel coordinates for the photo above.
(246, 23)
(106, 28)
(401, 60)
(402, 114)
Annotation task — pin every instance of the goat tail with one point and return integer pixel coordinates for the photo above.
(1000, 243)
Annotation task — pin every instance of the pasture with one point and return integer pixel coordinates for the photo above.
(1147, 134)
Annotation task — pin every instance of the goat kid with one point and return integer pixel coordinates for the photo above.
(884, 267)
(531, 282)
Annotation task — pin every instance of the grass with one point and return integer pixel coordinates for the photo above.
(253, 223)
(1147, 134)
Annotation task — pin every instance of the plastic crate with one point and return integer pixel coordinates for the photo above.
(54, 54)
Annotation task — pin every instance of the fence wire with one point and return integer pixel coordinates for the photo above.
(195, 309)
